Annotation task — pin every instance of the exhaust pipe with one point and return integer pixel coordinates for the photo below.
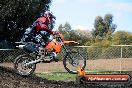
(21, 46)
(34, 62)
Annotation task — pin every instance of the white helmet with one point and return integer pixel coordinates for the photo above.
(48, 14)
(51, 18)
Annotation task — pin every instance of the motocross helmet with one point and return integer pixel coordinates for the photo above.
(51, 19)
(49, 15)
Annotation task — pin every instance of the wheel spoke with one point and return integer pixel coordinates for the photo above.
(72, 61)
(22, 68)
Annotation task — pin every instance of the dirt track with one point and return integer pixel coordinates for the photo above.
(92, 65)
(9, 79)
(124, 64)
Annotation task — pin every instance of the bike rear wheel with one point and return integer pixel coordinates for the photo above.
(20, 65)
(72, 61)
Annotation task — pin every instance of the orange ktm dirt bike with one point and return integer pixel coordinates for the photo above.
(26, 64)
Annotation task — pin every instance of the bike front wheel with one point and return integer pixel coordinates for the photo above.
(72, 61)
(20, 65)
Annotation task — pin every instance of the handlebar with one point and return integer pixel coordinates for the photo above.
(68, 42)
(60, 36)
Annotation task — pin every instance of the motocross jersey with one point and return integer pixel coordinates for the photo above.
(41, 24)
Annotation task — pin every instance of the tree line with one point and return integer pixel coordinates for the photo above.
(16, 16)
(102, 36)
(103, 33)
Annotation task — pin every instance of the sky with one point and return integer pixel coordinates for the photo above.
(82, 13)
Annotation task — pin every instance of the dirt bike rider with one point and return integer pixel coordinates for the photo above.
(43, 26)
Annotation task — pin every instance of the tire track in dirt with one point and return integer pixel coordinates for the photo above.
(9, 79)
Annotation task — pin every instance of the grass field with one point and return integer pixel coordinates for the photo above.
(63, 76)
